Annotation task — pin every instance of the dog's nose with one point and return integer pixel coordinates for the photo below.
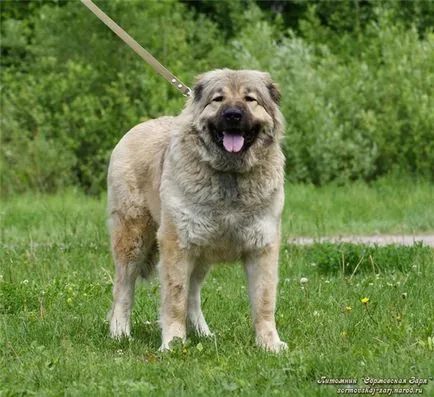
(232, 115)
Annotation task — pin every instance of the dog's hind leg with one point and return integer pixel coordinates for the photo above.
(133, 245)
(195, 314)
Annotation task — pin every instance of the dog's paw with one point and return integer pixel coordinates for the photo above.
(164, 348)
(120, 335)
(173, 343)
(198, 324)
(279, 347)
(205, 334)
(119, 329)
(272, 346)
(202, 330)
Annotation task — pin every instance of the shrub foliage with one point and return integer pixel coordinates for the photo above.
(357, 82)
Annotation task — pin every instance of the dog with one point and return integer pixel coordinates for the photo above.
(199, 189)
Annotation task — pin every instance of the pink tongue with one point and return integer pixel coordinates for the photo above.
(233, 142)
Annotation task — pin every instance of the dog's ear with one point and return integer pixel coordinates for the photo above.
(199, 85)
(273, 88)
(197, 91)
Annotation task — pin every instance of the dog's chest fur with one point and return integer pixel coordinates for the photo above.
(223, 214)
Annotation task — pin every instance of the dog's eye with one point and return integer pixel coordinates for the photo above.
(250, 99)
(218, 99)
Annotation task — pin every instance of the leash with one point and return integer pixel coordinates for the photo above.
(145, 55)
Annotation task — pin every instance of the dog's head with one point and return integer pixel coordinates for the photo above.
(236, 117)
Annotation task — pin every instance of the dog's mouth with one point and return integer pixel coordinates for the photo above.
(234, 140)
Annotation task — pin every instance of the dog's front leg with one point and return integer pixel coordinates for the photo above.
(175, 271)
(262, 274)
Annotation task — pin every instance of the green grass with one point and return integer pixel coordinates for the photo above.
(387, 206)
(55, 289)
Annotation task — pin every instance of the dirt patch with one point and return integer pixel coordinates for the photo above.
(381, 240)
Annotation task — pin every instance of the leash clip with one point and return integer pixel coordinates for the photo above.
(186, 91)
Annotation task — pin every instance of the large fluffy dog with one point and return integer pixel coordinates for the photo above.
(204, 187)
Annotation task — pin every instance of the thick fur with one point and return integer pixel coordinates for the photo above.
(170, 182)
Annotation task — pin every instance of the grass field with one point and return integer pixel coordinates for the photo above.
(55, 289)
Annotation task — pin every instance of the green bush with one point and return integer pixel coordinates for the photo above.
(64, 111)
(351, 117)
(357, 100)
